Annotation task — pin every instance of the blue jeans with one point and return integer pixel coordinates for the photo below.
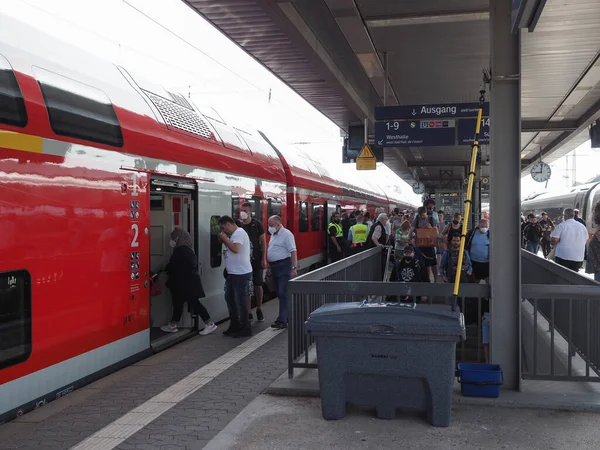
(597, 276)
(236, 296)
(281, 273)
(533, 247)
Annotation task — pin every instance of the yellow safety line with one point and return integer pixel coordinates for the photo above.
(468, 202)
(19, 141)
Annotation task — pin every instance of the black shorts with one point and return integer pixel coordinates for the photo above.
(257, 274)
(426, 256)
(481, 270)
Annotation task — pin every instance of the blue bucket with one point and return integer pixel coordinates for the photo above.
(480, 380)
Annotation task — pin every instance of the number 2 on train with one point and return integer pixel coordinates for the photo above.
(136, 232)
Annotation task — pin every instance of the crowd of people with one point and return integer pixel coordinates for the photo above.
(426, 249)
(425, 243)
(565, 241)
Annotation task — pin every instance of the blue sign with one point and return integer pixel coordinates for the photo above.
(437, 111)
(466, 131)
(416, 133)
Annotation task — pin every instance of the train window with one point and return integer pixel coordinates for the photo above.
(274, 207)
(157, 203)
(79, 111)
(15, 317)
(316, 216)
(303, 216)
(13, 110)
(235, 207)
(215, 242)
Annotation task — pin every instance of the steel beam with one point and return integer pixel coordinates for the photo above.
(531, 126)
(424, 19)
(505, 193)
(437, 163)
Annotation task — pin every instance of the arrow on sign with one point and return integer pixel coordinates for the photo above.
(414, 113)
(380, 142)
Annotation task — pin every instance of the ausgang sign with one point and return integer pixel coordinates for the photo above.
(433, 111)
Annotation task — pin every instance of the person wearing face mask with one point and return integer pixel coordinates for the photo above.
(256, 232)
(283, 265)
(185, 283)
(239, 276)
(452, 229)
(407, 269)
(533, 234)
(478, 246)
(429, 205)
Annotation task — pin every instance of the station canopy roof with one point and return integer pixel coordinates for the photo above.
(333, 53)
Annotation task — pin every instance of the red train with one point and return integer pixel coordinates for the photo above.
(96, 168)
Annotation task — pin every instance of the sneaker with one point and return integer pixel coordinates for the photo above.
(279, 325)
(251, 317)
(259, 315)
(169, 328)
(208, 329)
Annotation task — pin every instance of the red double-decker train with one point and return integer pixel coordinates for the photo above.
(96, 168)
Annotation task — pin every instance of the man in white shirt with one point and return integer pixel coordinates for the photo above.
(283, 265)
(239, 275)
(569, 238)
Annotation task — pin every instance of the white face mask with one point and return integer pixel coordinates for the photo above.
(244, 215)
(484, 229)
(272, 230)
(172, 243)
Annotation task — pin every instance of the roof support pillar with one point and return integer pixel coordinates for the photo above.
(505, 194)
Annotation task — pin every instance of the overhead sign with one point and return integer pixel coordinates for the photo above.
(434, 111)
(466, 131)
(415, 133)
(366, 159)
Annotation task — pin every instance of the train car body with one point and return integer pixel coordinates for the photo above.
(96, 168)
(582, 197)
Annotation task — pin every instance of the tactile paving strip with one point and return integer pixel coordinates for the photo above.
(126, 426)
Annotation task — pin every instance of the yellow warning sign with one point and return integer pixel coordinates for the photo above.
(366, 159)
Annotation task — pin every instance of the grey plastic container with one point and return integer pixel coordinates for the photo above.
(386, 356)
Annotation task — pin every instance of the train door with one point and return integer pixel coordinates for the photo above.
(172, 204)
(329, 210)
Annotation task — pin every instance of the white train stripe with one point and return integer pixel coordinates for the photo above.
(121, 429)
(38, 384)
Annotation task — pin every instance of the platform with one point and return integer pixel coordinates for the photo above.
(211, 392)
(179, 398)
(260, 426)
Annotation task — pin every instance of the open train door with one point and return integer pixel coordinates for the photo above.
(172, 204)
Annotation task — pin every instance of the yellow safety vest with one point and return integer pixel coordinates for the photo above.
(338, 228)
(359, 233)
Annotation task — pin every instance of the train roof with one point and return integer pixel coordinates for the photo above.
(155, 122)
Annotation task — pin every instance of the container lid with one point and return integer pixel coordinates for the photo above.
(387, 319)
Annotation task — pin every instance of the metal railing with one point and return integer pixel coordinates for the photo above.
(559, 322)
(358, 278)
(561, 332)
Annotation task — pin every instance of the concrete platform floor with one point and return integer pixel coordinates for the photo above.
(280, 423)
